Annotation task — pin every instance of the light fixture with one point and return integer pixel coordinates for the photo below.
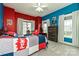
(39, 7)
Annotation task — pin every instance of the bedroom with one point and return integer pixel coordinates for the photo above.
(39, 29)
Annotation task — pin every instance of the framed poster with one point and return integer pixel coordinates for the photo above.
(53, 21)
(9, 22)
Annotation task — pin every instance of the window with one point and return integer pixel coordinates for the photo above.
(68, 26)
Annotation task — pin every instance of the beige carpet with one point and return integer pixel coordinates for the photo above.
(58, 49)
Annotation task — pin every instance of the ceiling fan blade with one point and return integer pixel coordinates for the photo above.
(39, 4)
(43, 6)
(39, 9)
(35, 6)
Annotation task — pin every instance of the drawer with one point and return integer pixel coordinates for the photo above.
(53, 28)
(55, 40)
(51, 38)
(53, 31)
(52, 34)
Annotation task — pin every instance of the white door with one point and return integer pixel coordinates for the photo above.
(45, 25)
(45, 28)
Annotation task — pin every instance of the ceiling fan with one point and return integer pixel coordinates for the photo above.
(39, 7)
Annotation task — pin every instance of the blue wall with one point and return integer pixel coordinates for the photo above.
(68, 9)
(1, 15)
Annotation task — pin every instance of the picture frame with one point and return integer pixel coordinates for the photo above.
(9, 22)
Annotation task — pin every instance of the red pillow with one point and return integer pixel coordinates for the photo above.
(11, 33)
(36, 32)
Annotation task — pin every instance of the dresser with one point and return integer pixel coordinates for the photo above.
(53, 33)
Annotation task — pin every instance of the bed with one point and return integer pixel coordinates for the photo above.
(21, 46)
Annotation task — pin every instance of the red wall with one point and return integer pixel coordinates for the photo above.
(38, 23)
(20, 15)
(9, 13)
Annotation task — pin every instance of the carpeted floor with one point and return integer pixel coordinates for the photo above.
(58, 49)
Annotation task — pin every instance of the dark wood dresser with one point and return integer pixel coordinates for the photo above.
(53, 33)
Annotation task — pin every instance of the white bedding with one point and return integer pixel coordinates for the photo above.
(8, 45)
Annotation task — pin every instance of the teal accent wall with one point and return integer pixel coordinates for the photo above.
(66, 10)
(1, 15)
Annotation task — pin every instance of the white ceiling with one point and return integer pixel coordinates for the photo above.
(27, 8)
